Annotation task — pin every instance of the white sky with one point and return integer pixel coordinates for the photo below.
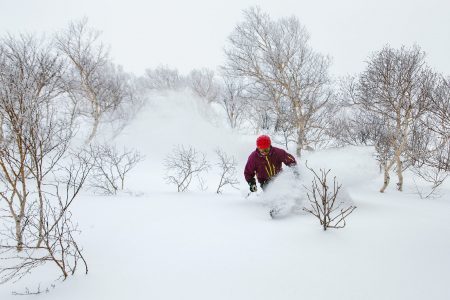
(191, 34)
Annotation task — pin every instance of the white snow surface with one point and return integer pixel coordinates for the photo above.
(154, 243)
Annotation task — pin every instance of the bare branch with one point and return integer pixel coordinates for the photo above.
(111, 167)
(324, 203)
(182, 164)
(227, 167)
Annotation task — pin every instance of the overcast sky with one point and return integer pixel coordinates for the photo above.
(187, 34)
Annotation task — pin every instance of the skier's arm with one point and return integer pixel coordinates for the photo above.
(249, 173)
(289, 160)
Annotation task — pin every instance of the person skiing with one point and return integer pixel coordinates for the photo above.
(265, 162)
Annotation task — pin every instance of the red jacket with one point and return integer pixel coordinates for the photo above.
(265, 167)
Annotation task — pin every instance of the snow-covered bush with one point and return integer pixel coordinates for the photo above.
(182, 165)
(227, 166)
(110, 166)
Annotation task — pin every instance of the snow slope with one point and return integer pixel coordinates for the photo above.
(155, 243)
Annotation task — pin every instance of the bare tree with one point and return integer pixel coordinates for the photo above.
(58, 244)
(29, 89)
(227, 166)
(434, 176)
(48, 141)
(324, 202)
(133, 96)
(163, 78)
(182, 165)
(94, 83)
(233, 100)
(276, 58)
(437, 124)
(396, 88)
(204, 84)
(429, 142)
(2, 139)
(110, 167)
(355, 128)
(440, 108)
(37, 130)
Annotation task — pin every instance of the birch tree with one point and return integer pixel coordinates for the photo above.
(440, 107)
(94, 82)
(429, 144)
(30, 81)
(233, 100)
(275, 56)
(204, 84)
(396, 88)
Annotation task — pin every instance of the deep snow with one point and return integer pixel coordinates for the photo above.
(154, 243)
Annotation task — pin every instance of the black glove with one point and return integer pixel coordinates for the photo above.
(264, 184)
(252, 185)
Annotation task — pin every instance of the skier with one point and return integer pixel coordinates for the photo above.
(265, 162)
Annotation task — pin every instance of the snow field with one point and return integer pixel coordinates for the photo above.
(155, 243)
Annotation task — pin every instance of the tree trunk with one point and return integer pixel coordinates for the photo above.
(399, 167)
(1, 129)
(19, 236)
(386, 167)
(398, 153)
(41, 216)
(96, 116)
(95, 112)
(300, 137)
(18, 222)
(94, 131)
(23, 199)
